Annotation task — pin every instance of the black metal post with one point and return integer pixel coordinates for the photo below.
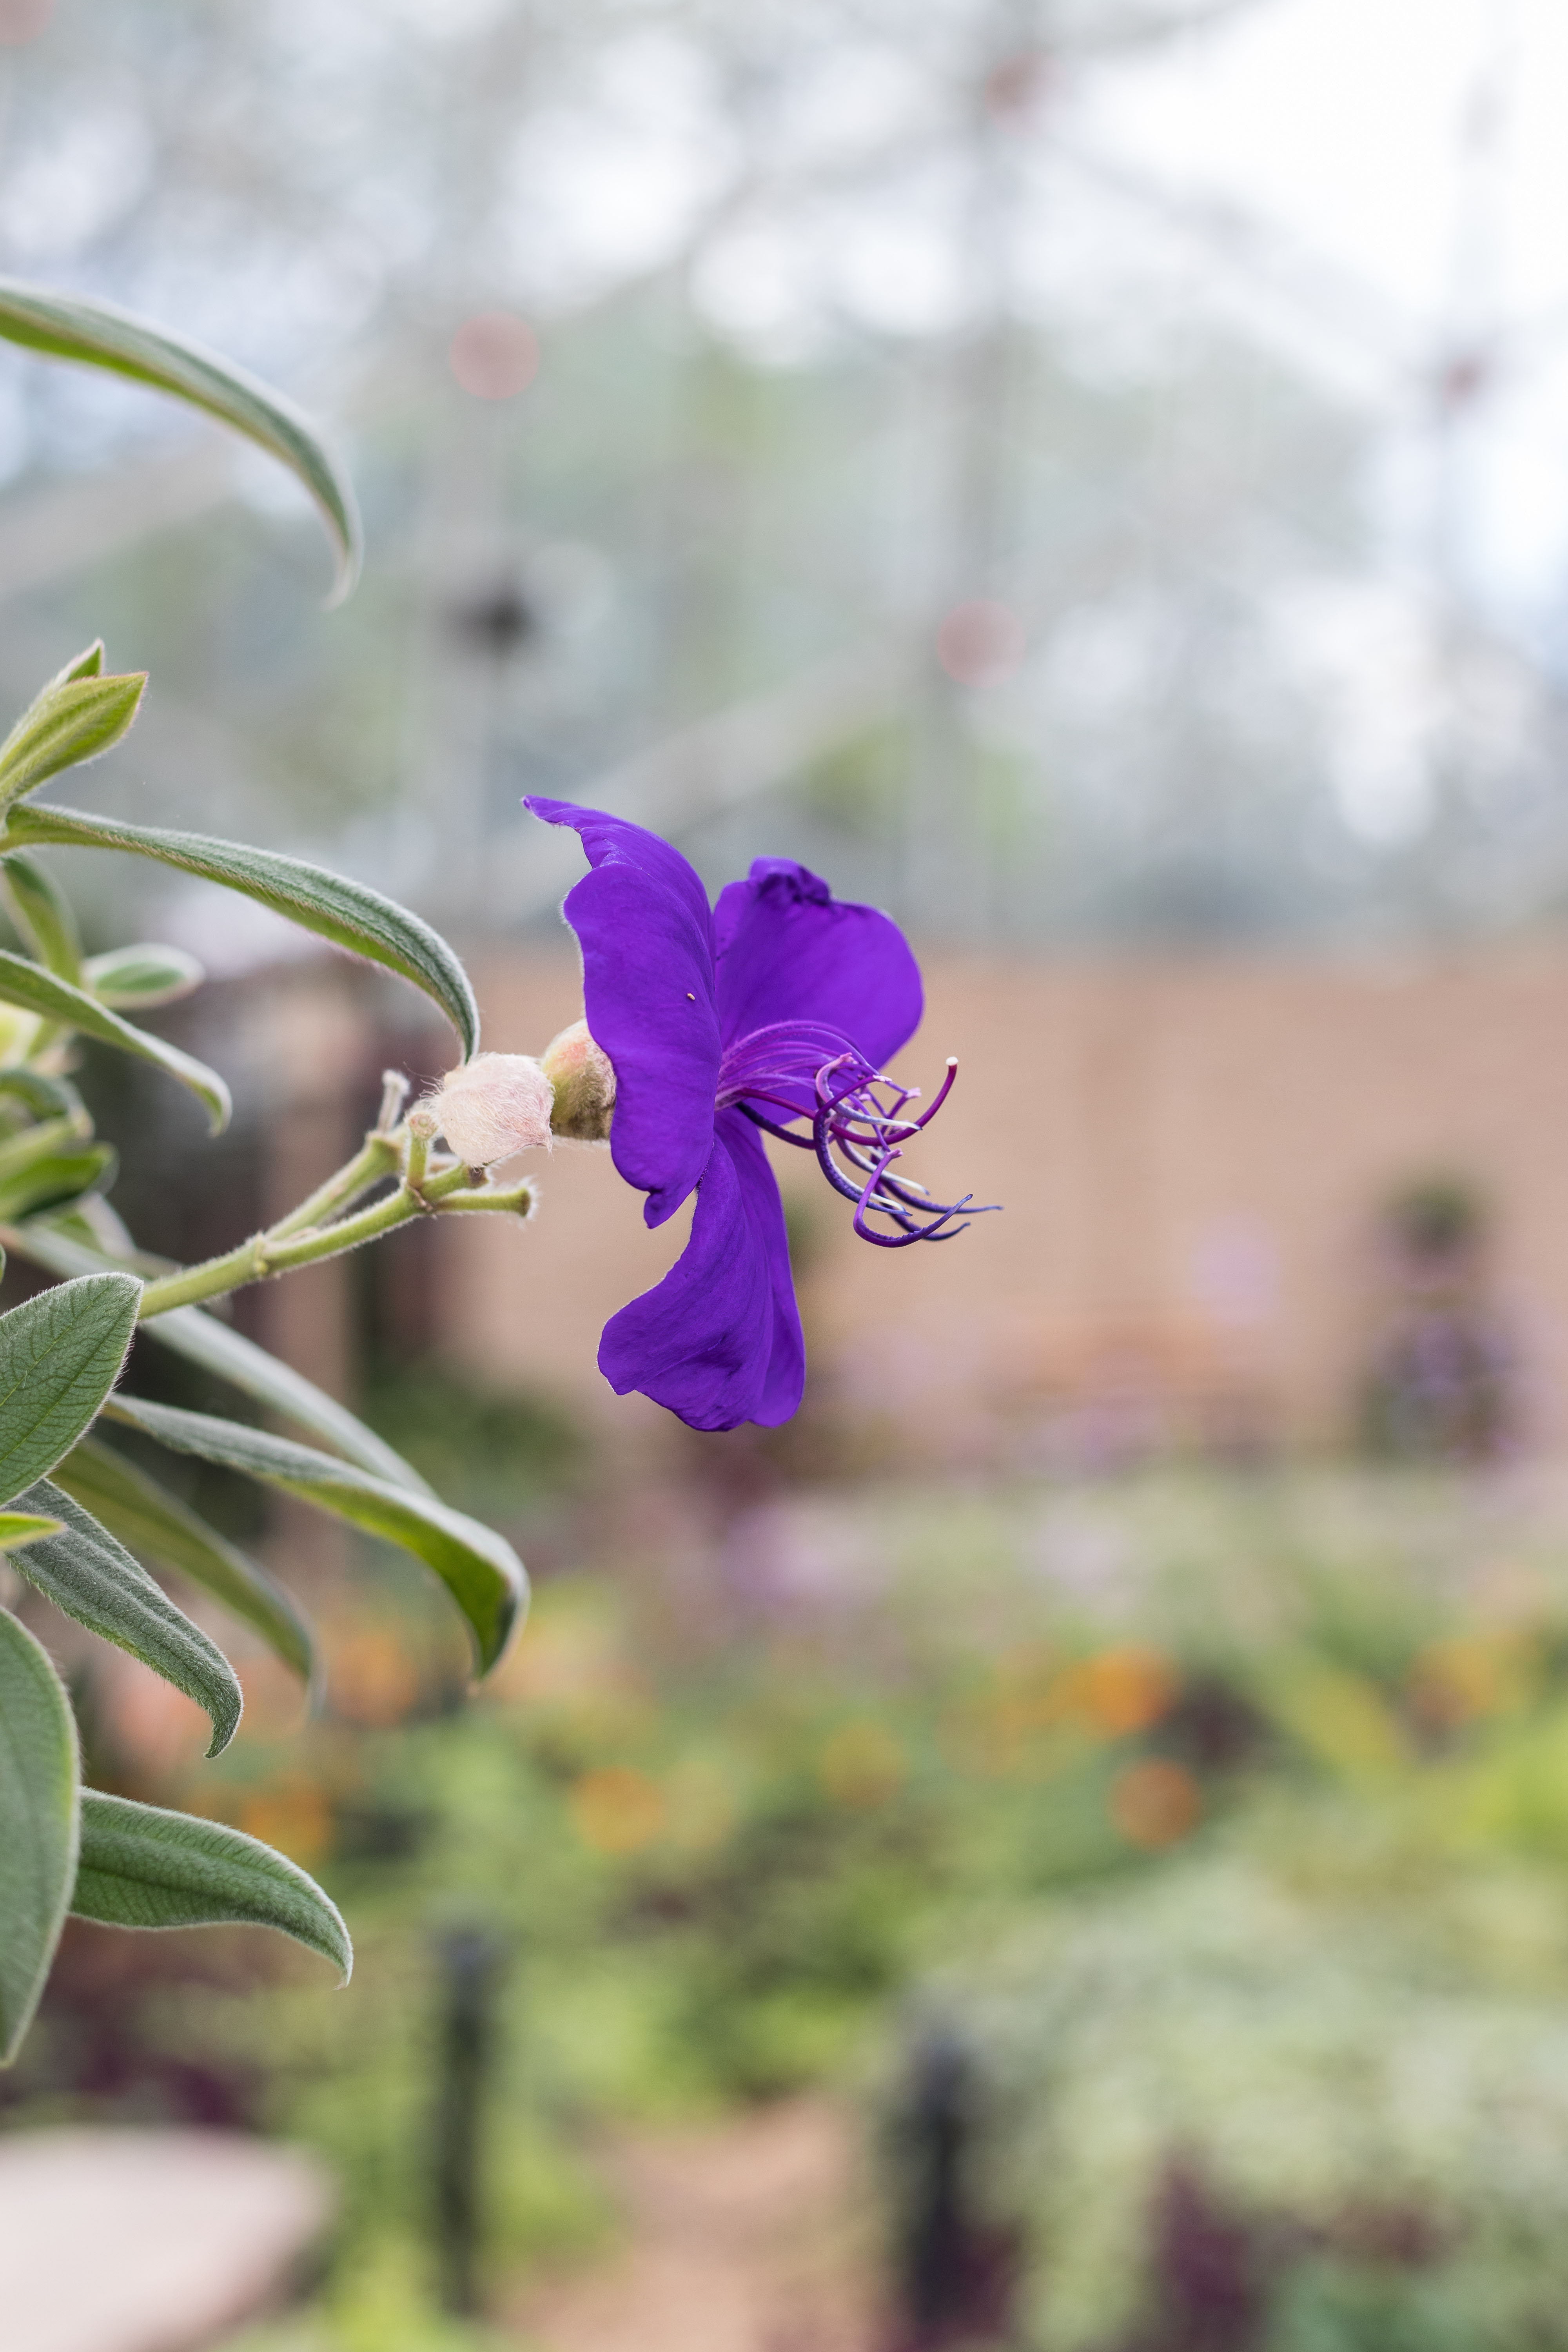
(933, 2254)
(470, 1964)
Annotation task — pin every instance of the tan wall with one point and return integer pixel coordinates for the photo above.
(1190, 1154)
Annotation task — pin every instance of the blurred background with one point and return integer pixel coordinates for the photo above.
(1062, 1846)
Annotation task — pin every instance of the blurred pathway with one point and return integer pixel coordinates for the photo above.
(122, 2241)
(748, 2236)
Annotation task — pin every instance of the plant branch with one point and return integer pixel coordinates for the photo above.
(285, 1245)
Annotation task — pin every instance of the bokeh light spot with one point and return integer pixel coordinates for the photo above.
(980, 643)
(23, 20)
(494, 355)
(1125, 1690)
(1155, 1803)
(617, 1811)
(862, 1765)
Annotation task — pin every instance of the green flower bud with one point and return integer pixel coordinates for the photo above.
(584, 1084)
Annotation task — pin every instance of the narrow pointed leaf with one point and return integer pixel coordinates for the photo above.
(61, 1354)
(84, 1571)
(41, 991)
(479, 1568)
(157, 1526)
(88, 664)
(202, 1339)
(45, 1097)
(143, 1867)
(43, 914)
(24, 1528)
(55, 1182)
(73, 721)
(141, 976)
(38, 1780)
(70, 327)
(218, 1348)
(41, 1141)
(345, 912)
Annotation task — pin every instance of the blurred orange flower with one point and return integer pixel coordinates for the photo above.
(1120, 1691)
(618, 1810)
(1457, 1681)
(1154, 1803)
(372, 1677)
(292, 1814)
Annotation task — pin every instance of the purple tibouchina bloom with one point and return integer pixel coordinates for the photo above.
(775, 1007)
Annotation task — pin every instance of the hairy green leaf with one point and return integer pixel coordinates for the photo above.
(43, 915)
(132, 1506)
(61, 1354)
(143, 1867)
(345, 912)
(84, 1571)
(479, 1568)
(72, 327)
(38, 991)
(202, 1339)
(73, 719)
(57, 1179)
(142, 975)
(39, 1780)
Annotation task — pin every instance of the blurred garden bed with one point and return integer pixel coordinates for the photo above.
(769, 1771)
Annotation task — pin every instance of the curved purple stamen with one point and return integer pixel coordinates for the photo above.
(804, 1070)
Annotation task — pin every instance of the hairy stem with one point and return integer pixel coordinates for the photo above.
(285, 1245)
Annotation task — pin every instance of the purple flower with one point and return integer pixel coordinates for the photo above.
(777, 1006)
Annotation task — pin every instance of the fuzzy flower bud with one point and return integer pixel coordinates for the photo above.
(493, 1106)
(584, 1084)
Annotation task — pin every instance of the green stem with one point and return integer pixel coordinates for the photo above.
(278, 1252)
(378, 1159)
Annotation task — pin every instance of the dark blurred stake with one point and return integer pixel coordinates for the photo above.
(495, 624)
(470, 1964)
(932, 2253)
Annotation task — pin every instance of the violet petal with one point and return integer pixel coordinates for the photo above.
(789, 952)
(641, 917)
(701, 1342)
(785, 1380)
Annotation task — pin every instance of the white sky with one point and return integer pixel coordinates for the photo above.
(1411, 158)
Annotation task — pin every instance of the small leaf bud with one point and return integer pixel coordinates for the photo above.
(493, 1106)
(584, 1084)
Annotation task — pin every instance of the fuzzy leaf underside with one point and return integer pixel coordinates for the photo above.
(100, 334)
(93, 1578)
(142, 976)
(38, 1776)
(348, 914)
(479, 1568)
(37, 990)
(152, 1524)
(143, 1867)
(61, 1354)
